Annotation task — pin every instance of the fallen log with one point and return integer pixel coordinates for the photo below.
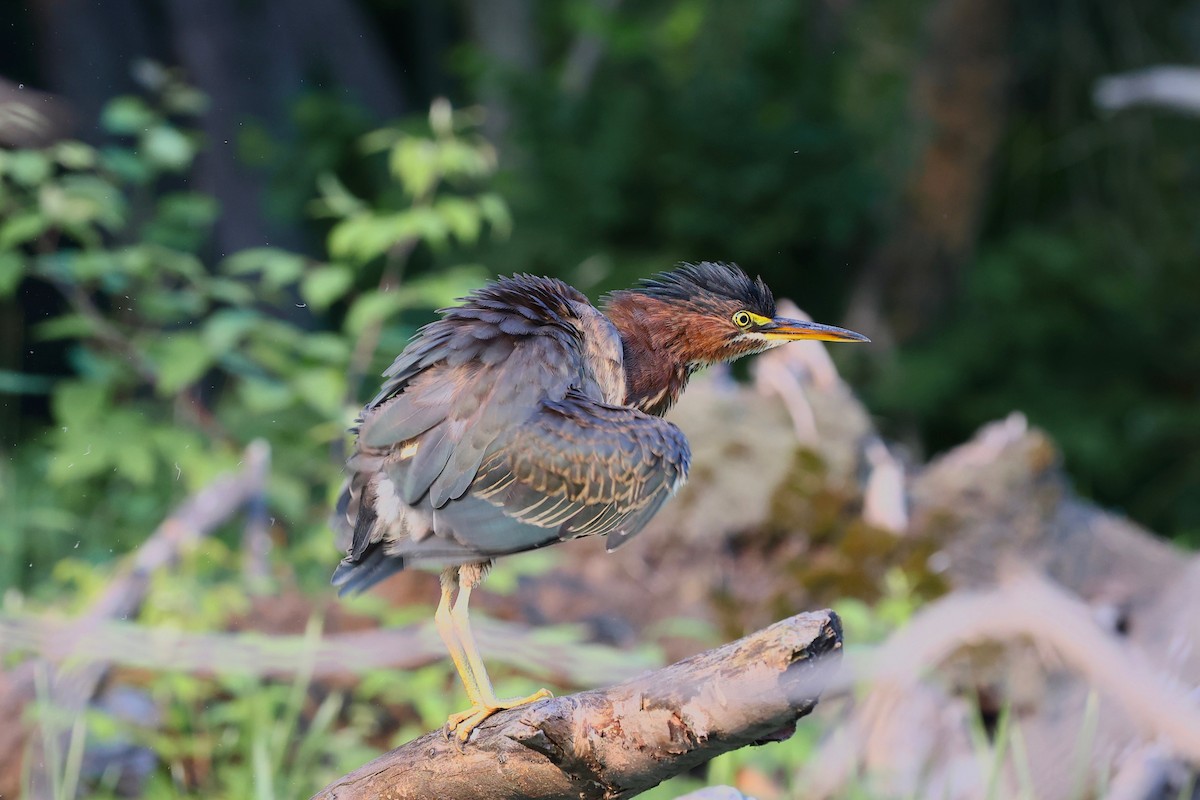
(622, 740)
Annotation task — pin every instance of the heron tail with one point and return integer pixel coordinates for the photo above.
(354, 576)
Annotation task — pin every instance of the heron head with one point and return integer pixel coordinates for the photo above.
(713, 312)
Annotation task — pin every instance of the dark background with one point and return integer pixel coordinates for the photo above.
(934, 173)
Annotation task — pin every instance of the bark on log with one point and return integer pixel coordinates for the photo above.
(616, 742)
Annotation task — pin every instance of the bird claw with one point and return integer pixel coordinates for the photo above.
(464, 722)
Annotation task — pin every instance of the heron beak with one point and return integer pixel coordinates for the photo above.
(794, 330)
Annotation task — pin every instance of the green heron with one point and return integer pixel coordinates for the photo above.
(525, 417)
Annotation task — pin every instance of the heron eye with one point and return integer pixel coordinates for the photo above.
(741, 319)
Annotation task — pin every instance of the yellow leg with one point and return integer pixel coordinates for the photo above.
(445, 628)
(485, 703)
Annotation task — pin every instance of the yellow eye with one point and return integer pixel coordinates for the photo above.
(741, 319)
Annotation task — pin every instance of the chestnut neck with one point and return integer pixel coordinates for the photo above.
(658, 350)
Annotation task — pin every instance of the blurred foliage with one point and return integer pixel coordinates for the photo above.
(708, 131)
(177, 363)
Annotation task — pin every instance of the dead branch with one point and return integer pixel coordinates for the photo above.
(256, 536)
(1175, 88)
(1029, 606)
(252, 653)
(29, 118)
(618, 741)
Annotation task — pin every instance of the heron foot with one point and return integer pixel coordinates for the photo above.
(462, 723)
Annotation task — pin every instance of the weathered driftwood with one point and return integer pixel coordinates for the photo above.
(922, 740)
(618, 741)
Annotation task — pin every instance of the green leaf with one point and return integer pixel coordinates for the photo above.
(228, 290)
(85, 234)
(495, 211)
(322, 389)
(185, 448)
(98, 199)
(78, 403)
(164, 305)
(168, 148)
(126, 165)
(278, 268)
(225, 329)
(181, 359)
(326, 347)
(359, 238)
(138, 260)
(80, 266)
(324, 285)
(177, 262)
(65, 326)
(133, 460)
(190, 208)
(414, 162)
(370, 309)
(457, 159)
(424, 223)
(184, 99)
(22, 227)
(73, 463)
(12, 270)
(461, 216)
(365, 237)
(29, 167)
(182, 220)
(127, 115)
(75, 155)
(264, 396)
(82, 200)
(338, 200)
(380, 140)
(105, 439)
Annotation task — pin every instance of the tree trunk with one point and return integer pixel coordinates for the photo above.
(959, 92)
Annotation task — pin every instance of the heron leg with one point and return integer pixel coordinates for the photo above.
(485, 703)
(445, 628)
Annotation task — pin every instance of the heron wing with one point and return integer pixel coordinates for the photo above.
(576, 468)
